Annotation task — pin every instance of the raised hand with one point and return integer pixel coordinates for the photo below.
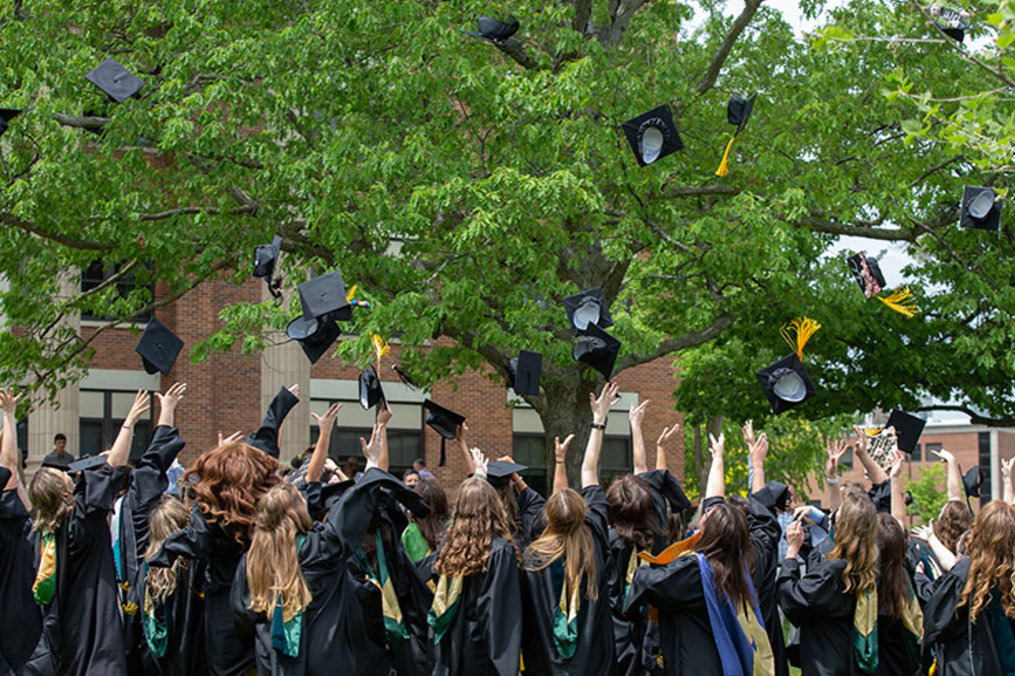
(326, 422)
(667, 434)
(758, 450)
(794, 539)
(924, 533)
(295, 390)
(1006, 466)
(601, 405)
(168, 403)
(142, 403)
(716, 445)
(560, 449)
(9, 401)
(384, 414)
(862, 440)
(372, 450)
(946, 456)
(480, 465)
(231, 439)
(748, 431)
(637, 413)
(836, 449)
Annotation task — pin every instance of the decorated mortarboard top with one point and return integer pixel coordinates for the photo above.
(653, 135)
(442, 420)
(492, 30)
(6, 115)
(587, 307)
(525, 370)
(91, 462)
(953, 22)
(116, 81)
(971, 481)
(738, 112)
(908, 429)
(159, 347)
(499, 472)
(981, 208)
(786, 383)
(868, 276)
(598, 349)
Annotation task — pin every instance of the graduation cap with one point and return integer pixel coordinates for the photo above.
(738, 112)
(971, 481)
(370, 392)
(159, 347)
(406, 378)
(980, 208)
(325, 295)
(90, 462)
(116, 81)
(315, 335)
(908, 429)
(6, 115)
(588, 307)
(653, 135)
(953, 23)
(499, 472)
(265, 258)
(598, 349)
(525, 371)
(786, 383)
(444, 421)
(493, 30)
(867, 274)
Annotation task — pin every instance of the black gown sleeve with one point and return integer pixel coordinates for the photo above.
(665, 587)
(499, 609)
(596, 516)
(193, 542)
(666, 490)
(265, 437)
(764, 528)
(529, 504)
(815, 596)
(244, 618)
(349, 518)
(940, 621)
(148, 481)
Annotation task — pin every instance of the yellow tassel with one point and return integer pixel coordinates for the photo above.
(724, 166)
(901, 301)
(798, 332)
(381, 348)
(352, 293)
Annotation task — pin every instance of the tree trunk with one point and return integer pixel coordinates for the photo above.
(702, 458)
(569, 414)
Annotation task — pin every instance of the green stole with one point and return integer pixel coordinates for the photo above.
(45, 579)
(394, 625)
(445, 605)
(865, 631)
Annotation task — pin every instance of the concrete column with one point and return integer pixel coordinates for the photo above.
(282, 366)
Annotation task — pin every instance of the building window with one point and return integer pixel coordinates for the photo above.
(985, 468)
(99, 272)
(847, 459)
(405, 434)
(530, 450)
(917, 454)
(102, 414)
(931, 450)
(616, 459)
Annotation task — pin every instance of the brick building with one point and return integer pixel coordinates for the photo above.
(230, 391)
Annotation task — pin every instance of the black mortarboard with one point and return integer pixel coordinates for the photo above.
(598, 349)
(953, 23)
(499, 472)
(908, 429)
(586, 307)
(118, 82)
(159, 347)
(265, 257)
(315, 336)
(370, 392)
(774, 494)
(91, 462)
(738, 111)
(867, 274)
(443, 421)
(325, 295)
(786, 383)
(653, 135)
(493, 30)
(6, 115)
(980, 208)
(971, 481)
(525, 370)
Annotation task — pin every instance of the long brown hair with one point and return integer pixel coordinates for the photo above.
(991, 559)
(169, 516)
(631, 511)
(230, 480)
(893, 592)
(954, 520)
(273, 568)
(50, 502)
(432, 526)
(726, 543)
(478, 516)
(856, 541)
(569, 536)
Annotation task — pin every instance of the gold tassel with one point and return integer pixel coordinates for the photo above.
(352, 293)
(901, 301)
(724, 166)
(803, 328)
(381, 348)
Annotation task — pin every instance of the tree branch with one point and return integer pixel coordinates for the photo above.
(836, 228)
(518, 54)
(956, 47)
(678, 343)
(696, 191)
(162, 215)
(582, 14)
(81, 121)
(750, 9)
(620, 16)
(66, 240)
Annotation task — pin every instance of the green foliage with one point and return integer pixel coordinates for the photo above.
(929, 495)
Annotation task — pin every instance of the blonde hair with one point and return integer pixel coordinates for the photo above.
(478, 516)
(168, 517)
(856, 541)
(273, 568)
(991, 559)
(569, 536)
(49, 504)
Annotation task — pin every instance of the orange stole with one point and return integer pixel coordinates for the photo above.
(668, 555)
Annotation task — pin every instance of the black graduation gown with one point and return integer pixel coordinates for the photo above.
(485, 635)
(265, 437)
(343, 630)
(184, 615)
(20, 621)
(594, 654)
(82, 628)
(529, 504)
(765, 535)
(817, 604)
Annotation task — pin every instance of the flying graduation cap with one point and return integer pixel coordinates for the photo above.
(981, 209)
(370, 391)
(653, 135)
(315, 335)
(159, 347)
(953, 22)
(116, 81)
(598, 349)
(6, 115)
(971, 481)
(587, 307)
(908, 429)
(786, 383)
(265, 262)
(738, 111)
(492, 30)
(525, 370)
(444, 421)
(867, 274)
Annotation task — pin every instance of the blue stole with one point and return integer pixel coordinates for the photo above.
(736, 651)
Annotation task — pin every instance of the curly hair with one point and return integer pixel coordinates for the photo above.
(569, 536)
(954, 520)
(168, 517)
(991, 560)
(273, 570)
(478, 516)
(230, 480)
(51, 500)
(631, 512)
(726, 542)
(856, 534)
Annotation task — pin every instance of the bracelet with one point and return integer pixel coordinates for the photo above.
(559, 462)
(831, 480)
(597, 426)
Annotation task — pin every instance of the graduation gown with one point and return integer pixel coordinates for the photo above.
(343, 628)
(765, 535)
(529, 504)
(484, 637)
(21, 620)
(82, 630)
(183, 614)
(541, 591)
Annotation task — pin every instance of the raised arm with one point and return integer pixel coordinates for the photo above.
(895, 476)
(954, 482)
(600, 409)
(758, 451)
(637, 416)
(325, 424)
(560, 469)
(266, 437)
(120, 452)
(384, 416)
(836, 449)
(1009, 489)
(9, 456)
(875, 472)
(944, 556)
(168, 403)
(716, 486)
(463, 443)
(664, 438)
